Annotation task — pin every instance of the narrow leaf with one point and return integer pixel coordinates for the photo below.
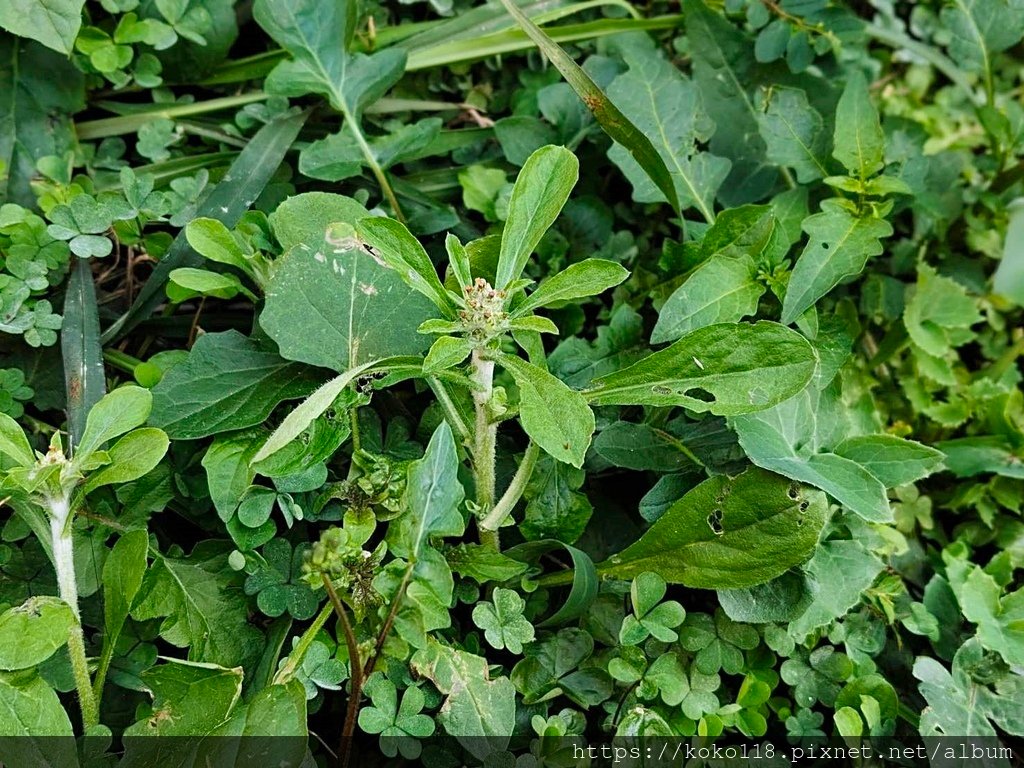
(81, 349)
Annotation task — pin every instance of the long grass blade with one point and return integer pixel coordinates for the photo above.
(81, 348)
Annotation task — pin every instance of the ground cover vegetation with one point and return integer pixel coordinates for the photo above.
(443, 380)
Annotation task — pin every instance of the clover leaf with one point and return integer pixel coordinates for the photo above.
(503, 622)
(400, 725)
(651, 617)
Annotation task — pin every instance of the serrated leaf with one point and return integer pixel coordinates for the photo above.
(794, 133)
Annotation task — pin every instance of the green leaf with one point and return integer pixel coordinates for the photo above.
(122, 578)
(227, 382)
(839, 572)
(433, 493)
(13, 442)
(236, 191)
(33, 631)
(540, 191)
(779, 600)
(197, 598)
(728, 533)
(131, 457)
(446, 352)
(611, 119)
(30, 710)
(477, 711)
(54, 23)
(211, 239)
(1000, 618)
(84, 375)
(317, 37)
(839, 247)
(1008, 280)
(724, 69)
(503, 622)
(189, 699)
(893, 460)
(340, 156)
(794, 439)
(721, 290)
(794, 133)
(667, 106)
(403, 253)
(726, 369)
(555, 506)
(117, 412)
(589, 277)
(41, 91)
(584, 578)
(303, 219)
(557, 418)
(186, 283)
(980, 29)
(332, 304)
(311, 408)
(937, 311)
(858, 143)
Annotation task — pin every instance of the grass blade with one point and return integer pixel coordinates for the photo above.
(608, 116)
(81, 348)
(244, 182)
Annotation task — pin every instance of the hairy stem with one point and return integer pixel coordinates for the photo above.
(493, 520)
(485, 435)
(64, 563)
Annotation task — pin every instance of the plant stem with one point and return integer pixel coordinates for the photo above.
(450, 411)
(485, 435)
(371, 160)
(356, 675)
(385, 630)
(64, 563)
(514, 492)
(298, 654)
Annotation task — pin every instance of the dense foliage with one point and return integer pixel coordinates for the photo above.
(401, 374)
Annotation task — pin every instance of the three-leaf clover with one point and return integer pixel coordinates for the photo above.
(277, 583)
(719, 642)
(503, 622)
(651, 617)
(400, 725)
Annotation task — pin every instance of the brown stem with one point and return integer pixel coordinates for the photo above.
(352, 711)
(385, 629)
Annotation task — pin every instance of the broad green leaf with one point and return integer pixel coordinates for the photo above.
(794, 133)
(402, 252)
(446, 352)
(726, 369)
(211, 239)
(119, 411)
(227, 382)
(197, 598)
(189, 699)
(333, 304)
(554, 666)
(641, 447)
(30, 710)
(13, 442)
(340, 156)
(779, 600)
(131, 457)
(122, 578)
(938, 311)
(33, 631)
(1008, 280)
(980, 29)
(614, 123)
(300, 418)
(303, 219)
(84, 374)
(477, 711)
(724, 69)
(1000, 618)
(186, 283)
(728, 533)
(540, 191)
(585, 583)
(839, 247)
(795, 439)
(556, 417)
(721, 290)
(667, 106)
(236, 191)
(317, 37)
(41, 91)
(54, 23)
(969, 456)
(891, 459)
(858, 143)
(433, 494)
(589, 277)
(555, 506)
